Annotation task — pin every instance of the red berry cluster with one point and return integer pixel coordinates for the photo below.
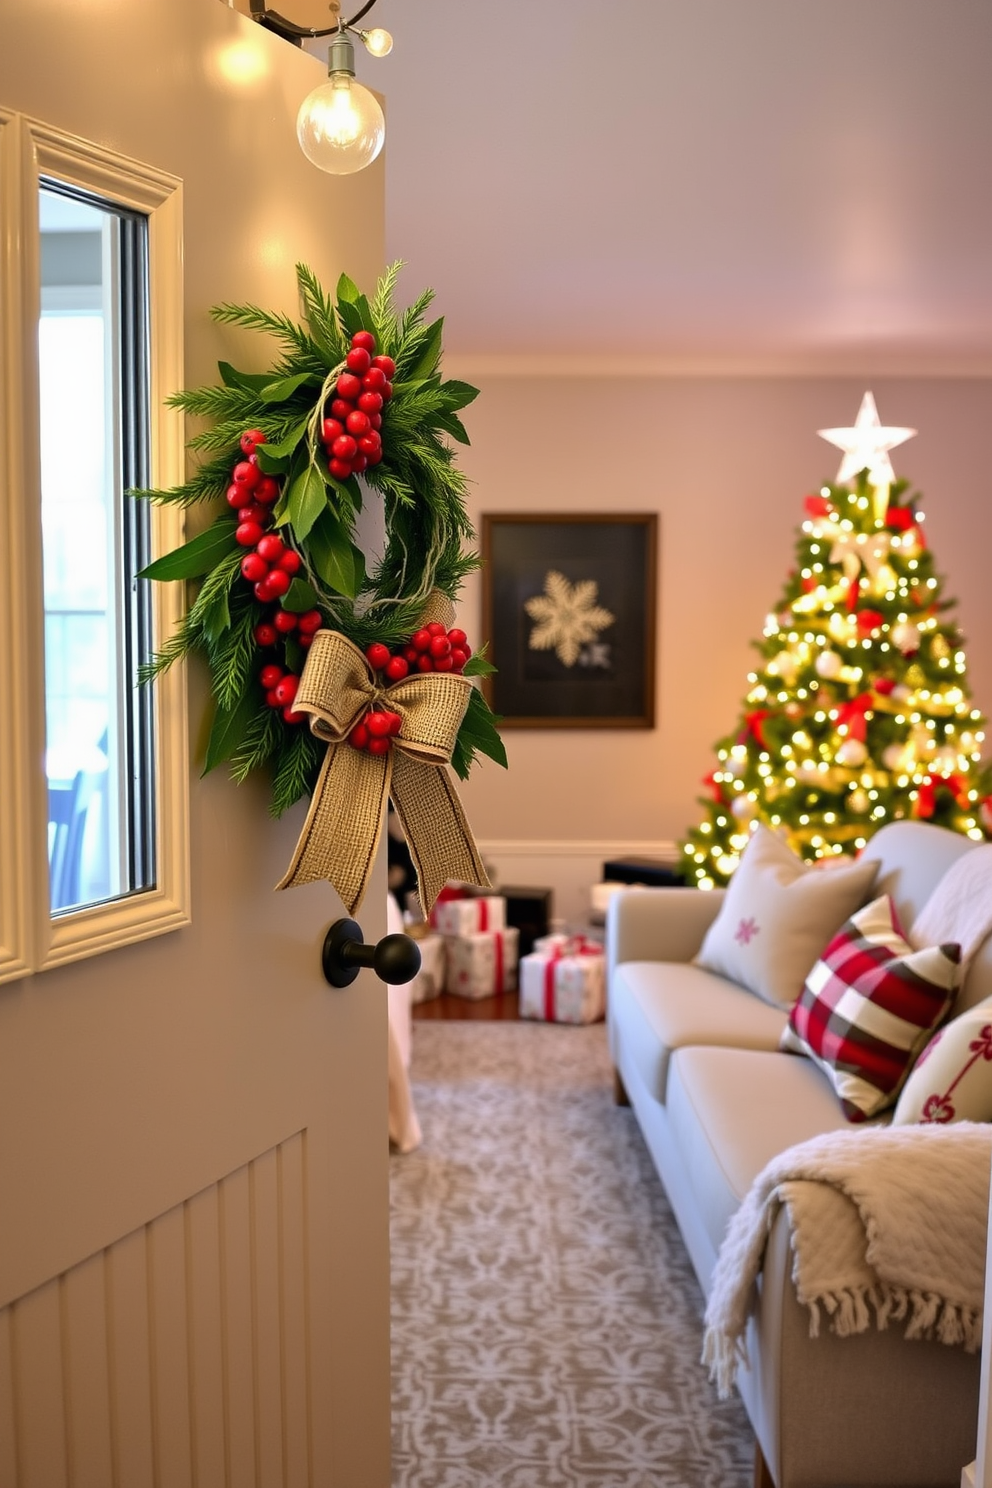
(351, 432)
(432, 649)
(270, 568)
(375, 731)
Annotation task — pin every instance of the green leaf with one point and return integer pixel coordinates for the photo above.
(453, 426)
(334, 556)
(299, 597)
(458, 394)
(274, 458)
(228, 729)
(478, 665)
(478, 730)
(198, 556)
(231, 377)
(295, 654)
(285, 387)
(354, 311)
(348, 290)
(305, 500)
(430, 353)
(215, 618)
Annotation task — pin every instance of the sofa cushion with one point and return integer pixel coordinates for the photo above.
(869, 1005)
(952, 1079)
(658, 1006)
(732, 1110)
(777, 916)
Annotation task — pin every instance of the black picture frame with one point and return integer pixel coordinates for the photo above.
(594, 662)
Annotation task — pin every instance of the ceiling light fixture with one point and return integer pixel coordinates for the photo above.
(340, 125)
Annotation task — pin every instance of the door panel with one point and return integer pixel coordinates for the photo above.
(193, 1154)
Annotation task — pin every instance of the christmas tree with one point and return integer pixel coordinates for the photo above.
(859, 712)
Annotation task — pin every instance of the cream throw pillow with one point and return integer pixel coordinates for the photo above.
(778, 915)
(952, 1079)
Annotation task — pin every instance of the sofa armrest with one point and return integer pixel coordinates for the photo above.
(658, 924)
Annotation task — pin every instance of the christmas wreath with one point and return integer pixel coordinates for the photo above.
(293, 628)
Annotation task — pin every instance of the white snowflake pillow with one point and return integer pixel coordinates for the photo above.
(777, 916)
(952, 1079)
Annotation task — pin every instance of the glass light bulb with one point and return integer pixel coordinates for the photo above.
(377, 41)
(340, 126)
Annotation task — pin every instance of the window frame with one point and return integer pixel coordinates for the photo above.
(31, 938)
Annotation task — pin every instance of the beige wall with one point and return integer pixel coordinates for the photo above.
(725, 463)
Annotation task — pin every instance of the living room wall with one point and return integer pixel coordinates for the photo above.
(725, 463)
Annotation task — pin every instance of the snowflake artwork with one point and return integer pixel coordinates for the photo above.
(568, 621)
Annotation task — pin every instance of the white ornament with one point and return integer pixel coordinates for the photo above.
(852, 752)
(897, 757)
(743, 808)
(906, 636)
(828, 664)
(867, 445)
(737, 762)
(859, 802)
(901, 693)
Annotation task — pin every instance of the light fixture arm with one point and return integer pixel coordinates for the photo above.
(290, 31)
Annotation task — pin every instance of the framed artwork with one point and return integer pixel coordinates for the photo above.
(569, 611)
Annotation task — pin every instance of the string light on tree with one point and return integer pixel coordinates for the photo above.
(859, 712)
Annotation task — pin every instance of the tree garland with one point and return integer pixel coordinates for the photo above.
(356, 397)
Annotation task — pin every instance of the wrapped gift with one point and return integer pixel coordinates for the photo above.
(470, 915)
(429, 981)
(482, 964)
(559, 988)
(563, 944)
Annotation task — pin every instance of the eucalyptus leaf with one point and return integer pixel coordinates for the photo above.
(198, 556)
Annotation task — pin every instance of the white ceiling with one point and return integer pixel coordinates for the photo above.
(709, 184)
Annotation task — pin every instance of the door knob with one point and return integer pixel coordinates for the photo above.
(394, 958)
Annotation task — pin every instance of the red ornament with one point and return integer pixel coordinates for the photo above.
(817, 505)
(869, 620)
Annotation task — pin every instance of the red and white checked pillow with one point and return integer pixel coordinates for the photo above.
(868, 1007)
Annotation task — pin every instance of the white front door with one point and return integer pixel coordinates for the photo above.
(193, 1154)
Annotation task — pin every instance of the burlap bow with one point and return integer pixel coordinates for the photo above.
(344, 823)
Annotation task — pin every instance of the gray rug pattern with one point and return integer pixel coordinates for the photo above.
(546, 1321)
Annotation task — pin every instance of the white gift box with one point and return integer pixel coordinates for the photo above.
(561, 944)
(429, 981)
(563, 989)
(482, 964)
(470, 916)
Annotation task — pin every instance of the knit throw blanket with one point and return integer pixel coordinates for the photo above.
(886, 1221)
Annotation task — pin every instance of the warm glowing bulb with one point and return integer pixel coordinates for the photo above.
(377, 41)
(340, 126)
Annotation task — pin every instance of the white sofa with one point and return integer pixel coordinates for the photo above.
(697, 1057)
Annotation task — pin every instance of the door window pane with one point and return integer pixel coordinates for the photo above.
(94, 440)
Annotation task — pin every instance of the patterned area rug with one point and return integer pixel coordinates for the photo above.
(546, 1320)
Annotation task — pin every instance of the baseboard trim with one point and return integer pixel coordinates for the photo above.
(606, 848)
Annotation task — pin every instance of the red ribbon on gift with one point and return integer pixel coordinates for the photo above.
(483, 914)
(579, 946)
(498, 948)
(449, 892)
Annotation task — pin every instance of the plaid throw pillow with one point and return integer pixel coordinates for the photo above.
(869, 1005)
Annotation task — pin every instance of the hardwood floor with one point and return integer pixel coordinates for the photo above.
(505, 1006)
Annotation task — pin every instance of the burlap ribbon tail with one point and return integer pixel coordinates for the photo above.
(343, 826)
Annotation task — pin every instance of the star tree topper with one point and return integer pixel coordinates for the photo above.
(866, 447)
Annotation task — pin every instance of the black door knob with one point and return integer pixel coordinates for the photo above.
(394, 958)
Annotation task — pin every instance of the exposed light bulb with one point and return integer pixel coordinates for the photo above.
(340, 125)
(378, 42)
